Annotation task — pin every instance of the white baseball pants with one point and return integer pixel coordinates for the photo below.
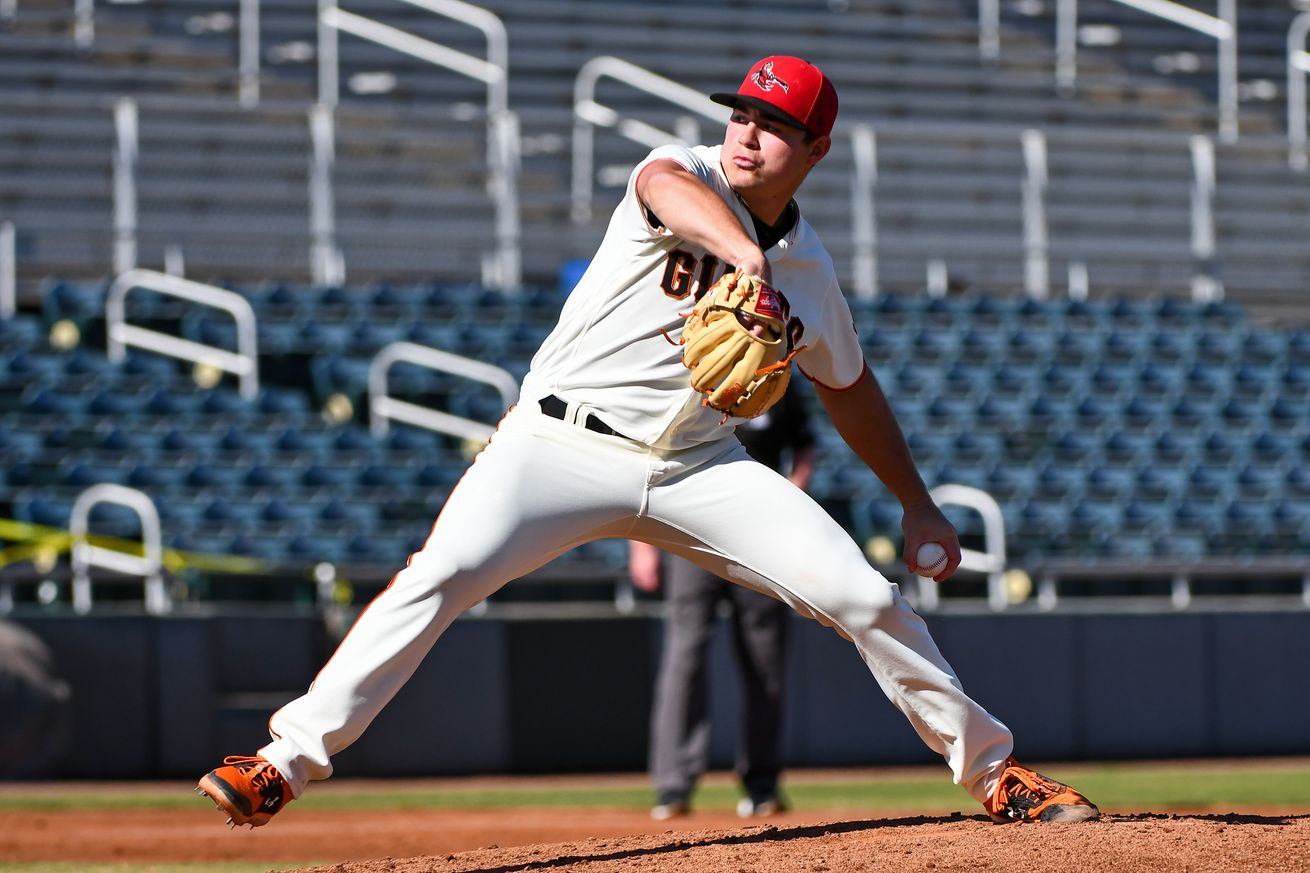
(542, 487)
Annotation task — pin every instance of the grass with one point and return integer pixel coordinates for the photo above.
(1155, 786)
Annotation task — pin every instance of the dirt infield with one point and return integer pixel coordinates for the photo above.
(909, 845)
(574, 840)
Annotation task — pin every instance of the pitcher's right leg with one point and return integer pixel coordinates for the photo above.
(540, 488)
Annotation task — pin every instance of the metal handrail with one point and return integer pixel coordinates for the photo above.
(126, 149)
(327, 266)
(244, 363)
(248, 54)
(1037, 271)
(1222, 28)
(992, 561)
(864, 216)
(989, 30)
(503, 269)
(8, 270)
(1298, 64)
(588, 114)
(1206, 284)
(84, 23)
(85, 556)
(383, 407)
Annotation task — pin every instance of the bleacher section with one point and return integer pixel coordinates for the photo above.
(1122, 430)
(228, 186)
(1129, 428)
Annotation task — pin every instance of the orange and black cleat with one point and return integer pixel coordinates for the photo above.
(249, 790)
(1026, 795)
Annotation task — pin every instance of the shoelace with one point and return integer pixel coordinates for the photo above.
(261, 773)
(1029, 785)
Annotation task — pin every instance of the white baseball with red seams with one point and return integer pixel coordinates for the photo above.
(930, 560)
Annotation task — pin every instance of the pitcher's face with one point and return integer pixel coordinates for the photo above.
(764, 156)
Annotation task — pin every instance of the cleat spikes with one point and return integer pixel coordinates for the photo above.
(247, 790)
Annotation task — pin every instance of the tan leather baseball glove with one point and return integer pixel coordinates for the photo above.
(735, 343)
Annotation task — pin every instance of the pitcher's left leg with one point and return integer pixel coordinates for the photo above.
(788, 546)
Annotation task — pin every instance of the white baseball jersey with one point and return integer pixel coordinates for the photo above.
(609, 352)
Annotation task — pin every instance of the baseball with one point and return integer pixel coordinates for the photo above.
(931, 559)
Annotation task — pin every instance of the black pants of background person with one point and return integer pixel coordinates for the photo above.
(680, 723)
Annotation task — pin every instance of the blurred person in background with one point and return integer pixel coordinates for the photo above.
(680, 719)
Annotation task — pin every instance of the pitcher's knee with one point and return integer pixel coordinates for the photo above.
(860, 602)
(434, 573)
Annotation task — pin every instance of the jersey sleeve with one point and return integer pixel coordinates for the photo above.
(835, 359)
(689, 159)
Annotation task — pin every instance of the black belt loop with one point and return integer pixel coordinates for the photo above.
(556, 408)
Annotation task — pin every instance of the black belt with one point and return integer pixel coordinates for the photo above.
(556, 408)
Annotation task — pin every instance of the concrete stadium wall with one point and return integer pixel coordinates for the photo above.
(163, 697)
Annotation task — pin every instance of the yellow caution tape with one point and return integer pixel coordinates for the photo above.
(35, 541)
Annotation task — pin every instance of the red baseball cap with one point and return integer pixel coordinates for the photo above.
(790, 90)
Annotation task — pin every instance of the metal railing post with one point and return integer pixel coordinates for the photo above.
(325, 262)
(174, 261)
(85, 556)
(8, 270)
(937, 278)
(1066, 46)
(989, 30)
(1206, 285)
(1036, 270)
(1298, 65)
(864, 212)
(504, 269)
(248, 63)
(1227, 66)
(1078, 282)
(125, 211)
(584, 157)
(84, 23)
(328, 60)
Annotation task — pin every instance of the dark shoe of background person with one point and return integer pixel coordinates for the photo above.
(760, 807)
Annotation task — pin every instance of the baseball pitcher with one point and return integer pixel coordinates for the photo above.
(708, 287)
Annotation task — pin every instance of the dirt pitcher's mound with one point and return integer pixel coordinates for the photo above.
(1191, 843)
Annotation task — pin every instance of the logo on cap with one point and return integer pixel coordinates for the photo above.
(788, 89)
(765, 79)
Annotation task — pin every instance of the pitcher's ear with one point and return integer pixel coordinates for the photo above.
(820, 148)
